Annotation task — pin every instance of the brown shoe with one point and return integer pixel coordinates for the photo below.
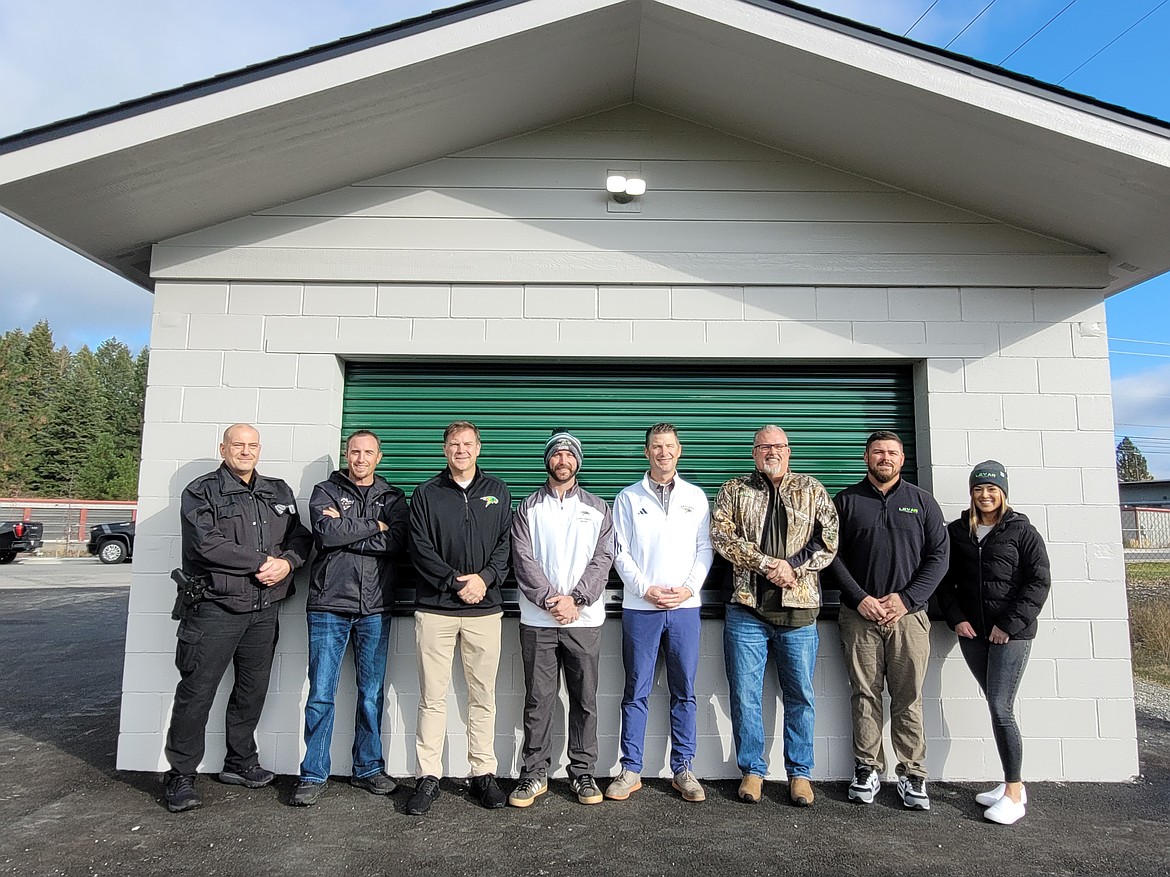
(751, 788)
(800, 790)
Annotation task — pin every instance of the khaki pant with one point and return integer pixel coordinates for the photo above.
(435, 638)
(895, 657)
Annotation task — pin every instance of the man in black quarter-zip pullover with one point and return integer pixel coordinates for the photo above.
(893, 554)
(460, 541)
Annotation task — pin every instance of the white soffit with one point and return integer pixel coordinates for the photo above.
(783, 77)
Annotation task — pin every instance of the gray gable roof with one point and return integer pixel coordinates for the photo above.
(111, 183)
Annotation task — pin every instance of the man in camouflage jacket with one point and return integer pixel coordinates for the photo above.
(777, 528)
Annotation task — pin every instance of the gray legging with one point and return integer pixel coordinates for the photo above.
(998, 669)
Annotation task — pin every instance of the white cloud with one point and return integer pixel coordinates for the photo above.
(1141, 410)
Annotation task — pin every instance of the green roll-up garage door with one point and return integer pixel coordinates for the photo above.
(827, 412)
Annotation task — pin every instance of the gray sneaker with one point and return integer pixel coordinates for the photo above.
(624, 784)
(687, 785)
(586, 789)
(528, 790)
(306, 793)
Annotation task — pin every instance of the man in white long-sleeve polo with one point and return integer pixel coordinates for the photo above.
(562, 551)
(663, 554)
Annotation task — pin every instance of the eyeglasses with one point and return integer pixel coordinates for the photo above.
(767, 448)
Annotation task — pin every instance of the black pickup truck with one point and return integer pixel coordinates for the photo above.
(112, 543)
(16, 536)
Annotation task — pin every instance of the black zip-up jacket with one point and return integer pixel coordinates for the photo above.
(231, 528)
(353, 572)
(1001, 582)
(892, 542)
(455, 532)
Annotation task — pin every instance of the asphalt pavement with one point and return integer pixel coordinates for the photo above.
(65, 809)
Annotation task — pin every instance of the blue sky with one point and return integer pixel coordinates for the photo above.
(60, 58)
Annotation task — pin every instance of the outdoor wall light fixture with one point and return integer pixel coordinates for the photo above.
(623, 190)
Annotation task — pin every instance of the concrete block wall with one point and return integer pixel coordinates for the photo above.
(1018, 375)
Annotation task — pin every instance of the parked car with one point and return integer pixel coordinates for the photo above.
(112, 543)
(16, 536)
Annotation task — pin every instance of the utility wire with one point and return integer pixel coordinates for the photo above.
(1141, 341)
(1037, 33)
(1138, 353)
(969, 23)
(1112, 41)
(919, 19)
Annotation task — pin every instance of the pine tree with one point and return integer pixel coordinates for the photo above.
(72, 429)
(70, 424)
(13, 447)
(1131, 463)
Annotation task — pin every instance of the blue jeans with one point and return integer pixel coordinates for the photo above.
(329, 634)
(644, 634)
(747, 640)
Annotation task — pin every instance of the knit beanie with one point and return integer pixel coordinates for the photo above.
(990, 472)
(562, 440)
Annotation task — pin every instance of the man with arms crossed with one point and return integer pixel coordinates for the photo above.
(777, 528)
(663, 554)
(242, 540)
(562, 547)
(359, 526)
(894, 552)
(460, 526)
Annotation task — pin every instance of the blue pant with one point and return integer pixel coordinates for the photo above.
(747, 640)
(329, 634)
(644, 633)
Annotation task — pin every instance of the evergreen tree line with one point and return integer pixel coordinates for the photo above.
(70, 423)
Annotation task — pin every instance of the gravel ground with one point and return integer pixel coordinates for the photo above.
(1152, 699)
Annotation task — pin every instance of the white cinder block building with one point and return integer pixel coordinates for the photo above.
(843, 230)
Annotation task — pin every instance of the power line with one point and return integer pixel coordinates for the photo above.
(1042, 29)
(1141, 341)
(1112, 41)
(1139, 353)
(969, 23)
(919, 19)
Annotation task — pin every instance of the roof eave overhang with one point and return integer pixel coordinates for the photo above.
(775, 73)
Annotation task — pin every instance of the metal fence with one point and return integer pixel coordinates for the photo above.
(67, 522)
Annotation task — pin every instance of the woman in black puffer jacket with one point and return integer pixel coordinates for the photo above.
(991, 596)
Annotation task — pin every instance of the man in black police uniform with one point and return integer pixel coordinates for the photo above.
(242, 540)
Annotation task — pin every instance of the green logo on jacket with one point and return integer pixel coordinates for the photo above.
(908, 510)
(489, 500)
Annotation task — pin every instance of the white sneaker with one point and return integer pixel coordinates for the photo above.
(866, 784)
(913, 793)
(992, 795)
(1005, 811)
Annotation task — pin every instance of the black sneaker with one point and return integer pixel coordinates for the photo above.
(306, 793)
(487, 793)
(585, 787)
(180, 794)
(253, 777)
(375, 784)
(426, 791)
(913, 793)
